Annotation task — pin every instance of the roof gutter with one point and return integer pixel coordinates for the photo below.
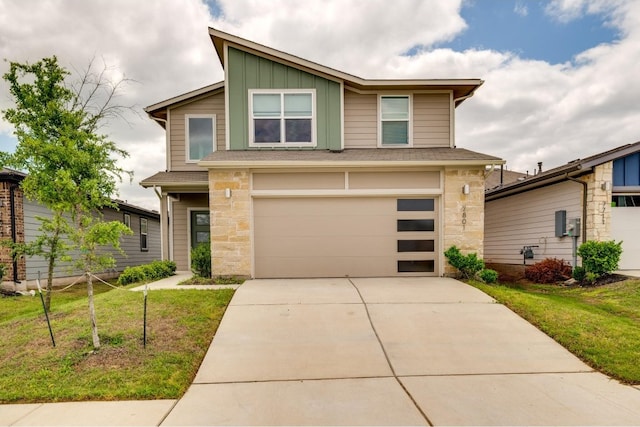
(459, 100)
(276, 164)
(584, 205)
(533, 183)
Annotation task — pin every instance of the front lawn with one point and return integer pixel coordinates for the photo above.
(180, 327)
(600, 325)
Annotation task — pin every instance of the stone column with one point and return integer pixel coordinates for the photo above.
(598, 220)
(230, 206)
(463, 213)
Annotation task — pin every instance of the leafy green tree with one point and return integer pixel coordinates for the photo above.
(71, 167)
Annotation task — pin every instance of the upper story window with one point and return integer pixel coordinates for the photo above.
(200, 136)
(282, 117)
(127, 219)
(395, 120)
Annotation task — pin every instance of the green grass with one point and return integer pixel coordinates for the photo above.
(600, 325)
(180, 327)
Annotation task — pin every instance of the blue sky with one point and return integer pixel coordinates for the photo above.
(523, 27)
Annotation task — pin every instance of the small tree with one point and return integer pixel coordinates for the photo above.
(71, 168)
(54, 121)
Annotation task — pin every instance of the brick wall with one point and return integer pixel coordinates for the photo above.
(6, 230)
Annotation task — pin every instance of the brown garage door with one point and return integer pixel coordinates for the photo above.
(337, 237)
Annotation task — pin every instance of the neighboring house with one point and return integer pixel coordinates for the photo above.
(18, 223)
(293, 169)
(602, 191)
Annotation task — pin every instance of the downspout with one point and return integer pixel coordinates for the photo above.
(584, 205)
(14, 235)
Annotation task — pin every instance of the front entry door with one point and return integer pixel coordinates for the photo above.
(200, 229)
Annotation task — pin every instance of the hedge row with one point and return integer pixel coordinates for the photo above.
(154, 271)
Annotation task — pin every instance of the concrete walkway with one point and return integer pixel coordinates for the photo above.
(410, 351)
(173, 281)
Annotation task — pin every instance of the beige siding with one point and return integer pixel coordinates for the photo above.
(213, 104)
(298, 181)
(360, 120)
(529, 219)
(180, 210)
(431, 120)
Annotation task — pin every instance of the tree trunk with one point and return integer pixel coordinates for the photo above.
(47, 300)
(92, 313)
(55, 241)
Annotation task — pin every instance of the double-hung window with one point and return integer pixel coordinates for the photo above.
(395, 120)
(282, 117)
(144, 243)
(200, 136)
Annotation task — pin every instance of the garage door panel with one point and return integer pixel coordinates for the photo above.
(335, 237)
(337, 266)
(330, 225)
(326, 246)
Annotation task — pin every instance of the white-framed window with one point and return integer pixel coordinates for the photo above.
(395, 120)
(144, 243)
(282, 117)
(200, 136)
(127, 219)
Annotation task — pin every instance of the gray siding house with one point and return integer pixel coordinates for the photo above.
(602, 191)
(18, 222)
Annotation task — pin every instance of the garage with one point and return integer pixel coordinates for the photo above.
(345, 236)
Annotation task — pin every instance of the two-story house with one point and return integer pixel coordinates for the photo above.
(293, 169)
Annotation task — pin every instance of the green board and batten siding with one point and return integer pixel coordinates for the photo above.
(247, 71)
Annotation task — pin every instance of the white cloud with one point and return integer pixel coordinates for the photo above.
(527, 111)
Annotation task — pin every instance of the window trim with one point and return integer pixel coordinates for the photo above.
(409, 120)
(282, 92)
(145, 247)
(126, 219)
(187, 158)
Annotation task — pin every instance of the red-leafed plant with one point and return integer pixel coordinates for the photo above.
(549, 270)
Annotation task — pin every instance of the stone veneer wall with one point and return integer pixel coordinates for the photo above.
(599, 203)
(230, 223)
(463, 222)
(6, 232)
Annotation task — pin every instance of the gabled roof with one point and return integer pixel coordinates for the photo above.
(462, 88)
(572, 169)
(159, 109)
(357, 157)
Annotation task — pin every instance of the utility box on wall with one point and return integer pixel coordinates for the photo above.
(573, 229)
(561, 223)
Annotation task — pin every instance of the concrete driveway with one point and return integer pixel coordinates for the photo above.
(388, 351)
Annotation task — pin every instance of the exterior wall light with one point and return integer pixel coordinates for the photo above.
(465, 189)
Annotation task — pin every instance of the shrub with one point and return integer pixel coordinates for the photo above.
(488, 275)
(3, 271)
(600, 258)
(152, 271)
(469, 265)
(579, 273)
(201, 260)
(131, 275)
(549, 270)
